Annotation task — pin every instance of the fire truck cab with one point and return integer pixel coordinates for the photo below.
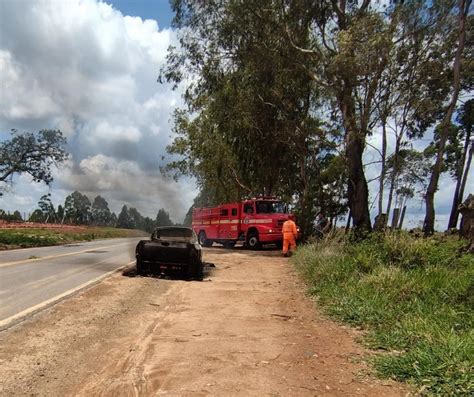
(255, 222)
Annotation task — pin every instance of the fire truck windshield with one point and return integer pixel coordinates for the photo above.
(270, 207)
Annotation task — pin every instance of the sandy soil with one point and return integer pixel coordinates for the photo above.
(247, 330)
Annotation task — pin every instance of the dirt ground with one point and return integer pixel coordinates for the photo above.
(246, 330)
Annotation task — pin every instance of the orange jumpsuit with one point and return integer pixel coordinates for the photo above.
(289, 236)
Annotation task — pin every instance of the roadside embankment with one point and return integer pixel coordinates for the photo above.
(413, 297)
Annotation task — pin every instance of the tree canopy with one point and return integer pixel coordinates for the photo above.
(33, 154)
(283, 96)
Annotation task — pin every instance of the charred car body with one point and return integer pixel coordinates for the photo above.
(170, 249)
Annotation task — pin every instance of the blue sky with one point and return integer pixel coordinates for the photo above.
(158, 10)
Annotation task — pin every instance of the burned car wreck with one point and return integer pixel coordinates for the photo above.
(170, 249)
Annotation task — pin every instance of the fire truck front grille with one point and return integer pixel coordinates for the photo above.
(280, 223)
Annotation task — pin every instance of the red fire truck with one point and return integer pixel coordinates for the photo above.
(255, 222)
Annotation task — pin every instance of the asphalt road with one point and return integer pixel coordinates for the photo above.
(35, 278)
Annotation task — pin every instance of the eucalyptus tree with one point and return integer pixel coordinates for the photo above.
(205, 198)
(353, 48)
(462, 157)
(36, 216)
(100, 212)
(463, 7)
(47, 208)
(137, 220)
(264, 80)
(163, 218)
(414, 84)
(384, 64)
(15, 216)
(345, 57)
(60, 215)
(410, 178)
(251, 124)
(77, 208)
(200, 151)
(124, 219)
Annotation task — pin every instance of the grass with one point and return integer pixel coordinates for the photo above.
(414, 297)
(39, 237)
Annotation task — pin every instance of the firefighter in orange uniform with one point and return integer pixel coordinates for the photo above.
(289, 237)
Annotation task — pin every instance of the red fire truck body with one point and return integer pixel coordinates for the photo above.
(255, 222)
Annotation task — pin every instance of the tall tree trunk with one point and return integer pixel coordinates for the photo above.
(402, 217)
(394, 173)
(357, 191)
(428, 225)
(306, 222)
(466, 173)
(382, 171)
(457, 198)
(348, 223)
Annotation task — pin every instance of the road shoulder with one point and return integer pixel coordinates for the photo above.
(247, 329)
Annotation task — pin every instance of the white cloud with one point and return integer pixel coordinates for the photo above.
(83, 67)
(105, 132)
(21, 94)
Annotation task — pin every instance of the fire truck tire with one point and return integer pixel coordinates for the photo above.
(253, 242)
(203, 239)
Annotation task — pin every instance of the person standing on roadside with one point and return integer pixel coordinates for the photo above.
(290, 234)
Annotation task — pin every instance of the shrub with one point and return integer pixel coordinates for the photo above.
(413, 296)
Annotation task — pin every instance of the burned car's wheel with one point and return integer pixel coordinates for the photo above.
(203, 239)
(140, 268)
(195, 271)
(199, 271)
(253, 242)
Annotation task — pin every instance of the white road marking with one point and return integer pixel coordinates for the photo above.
(49, 302)
(58, 256)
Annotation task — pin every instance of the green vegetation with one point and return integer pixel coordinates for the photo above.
(305, 84)
(414, 297)
(31, 153)
(38, 237)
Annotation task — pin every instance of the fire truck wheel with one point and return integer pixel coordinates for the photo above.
(203, 239)
(253, 241)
